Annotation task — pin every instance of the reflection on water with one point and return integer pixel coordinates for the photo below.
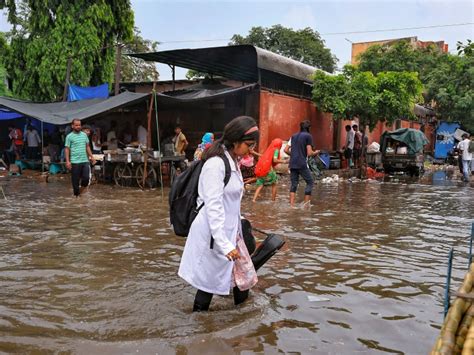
(362, 269)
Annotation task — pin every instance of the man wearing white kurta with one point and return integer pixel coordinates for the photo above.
(466, 156)
(204, 268)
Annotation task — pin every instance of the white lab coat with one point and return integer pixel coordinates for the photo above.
(204, 268)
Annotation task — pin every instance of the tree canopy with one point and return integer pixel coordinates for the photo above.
(304, 45)
(136, 69)
(46, 33)
(386, 96)
(3, 74)
(447, 78)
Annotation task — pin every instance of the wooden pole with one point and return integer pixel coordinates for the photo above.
(118, 67)
(148, 141)
(42, 147)
(159, 145)
(68, 77)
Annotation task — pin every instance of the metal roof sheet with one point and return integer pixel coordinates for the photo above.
(240, 62)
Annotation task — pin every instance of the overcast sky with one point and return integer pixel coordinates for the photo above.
(202, 22)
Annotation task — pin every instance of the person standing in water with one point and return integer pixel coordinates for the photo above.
(266, 175)
(215, 258)
(78, 153)
(299, 151)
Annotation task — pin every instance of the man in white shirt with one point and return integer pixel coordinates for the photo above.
(466, 156)
(349, 147)
(112, 143)
(33, 142)
(142, 133)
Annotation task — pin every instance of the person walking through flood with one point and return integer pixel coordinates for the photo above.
(299, 150)
(266, 175)
(215, 258)
(78, 153)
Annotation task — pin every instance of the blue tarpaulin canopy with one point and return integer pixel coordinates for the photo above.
(78, 93)
(6, 114)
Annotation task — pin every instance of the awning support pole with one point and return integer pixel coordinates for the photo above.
(148, 142)
(68, 77)
(118, 67)
(42, 147)
(159, 145)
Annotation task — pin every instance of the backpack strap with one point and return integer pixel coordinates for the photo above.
(228, 173)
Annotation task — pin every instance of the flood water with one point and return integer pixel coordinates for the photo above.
(363, 271)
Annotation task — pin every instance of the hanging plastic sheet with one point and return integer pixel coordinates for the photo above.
(445, 139)
(77, 93)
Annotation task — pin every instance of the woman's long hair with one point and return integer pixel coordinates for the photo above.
(234, 132)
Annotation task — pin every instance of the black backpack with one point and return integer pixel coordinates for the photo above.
(183, 196)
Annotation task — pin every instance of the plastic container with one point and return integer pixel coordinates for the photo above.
(335, 163)
(325, 159)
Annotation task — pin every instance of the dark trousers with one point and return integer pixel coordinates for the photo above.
(306, 175)
(80, 176)
(203, 299)
(32, 153)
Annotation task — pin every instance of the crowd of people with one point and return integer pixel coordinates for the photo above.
(355, 146)
(29, 144)
(260, 168)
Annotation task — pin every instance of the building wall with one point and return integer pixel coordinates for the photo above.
(280, 117)
(361, 47)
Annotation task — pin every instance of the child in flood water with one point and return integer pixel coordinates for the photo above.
(215, 258)
(266, 175)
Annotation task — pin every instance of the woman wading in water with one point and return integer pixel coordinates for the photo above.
(215, 258)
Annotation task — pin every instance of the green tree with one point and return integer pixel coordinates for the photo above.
(136, 69)
(386, 96)
(3, 87)
(450, 85)
(46, 33)
(3, 74)
(447, 78)
(304, 45)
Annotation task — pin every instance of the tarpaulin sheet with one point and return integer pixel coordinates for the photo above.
(6, 114)
(200, 92)
(413, 138)
(77, 93)
(59, 113)
(445, 139)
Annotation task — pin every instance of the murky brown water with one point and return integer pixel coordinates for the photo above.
(98, 274)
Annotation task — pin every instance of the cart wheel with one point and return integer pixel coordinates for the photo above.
(151, 180)
(123, 175)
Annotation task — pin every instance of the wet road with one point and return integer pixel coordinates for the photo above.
(362, 272)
